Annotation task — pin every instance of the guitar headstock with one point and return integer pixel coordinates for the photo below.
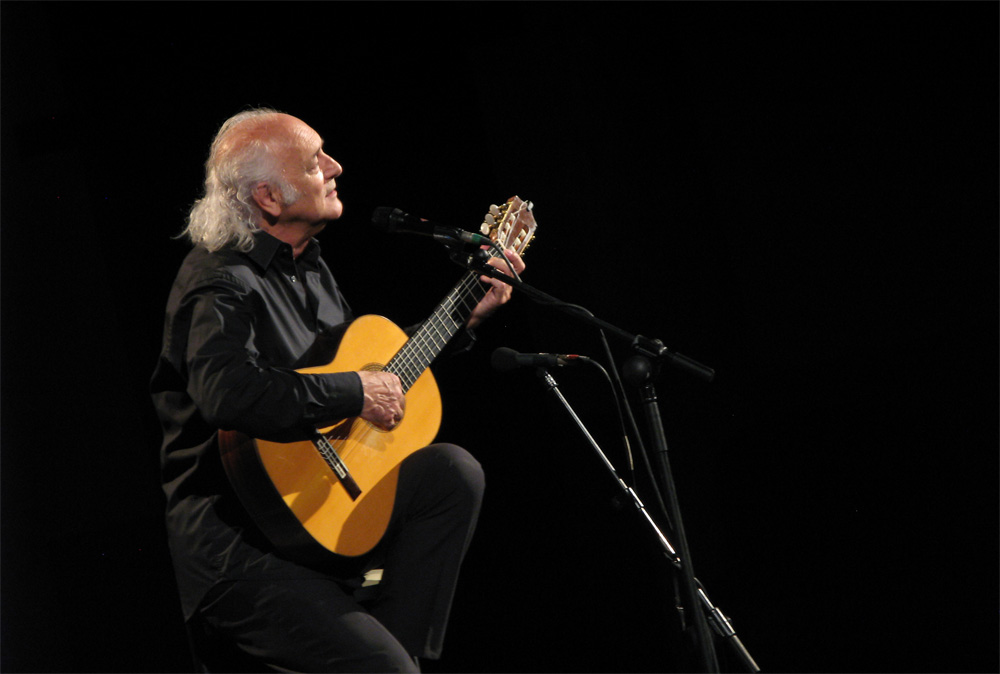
(511, 225)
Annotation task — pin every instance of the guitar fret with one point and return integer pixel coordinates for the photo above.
(426, 353)
(438, 334)
(433, 333)
(413, 371)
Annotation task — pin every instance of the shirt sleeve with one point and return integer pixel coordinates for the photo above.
(235, 389)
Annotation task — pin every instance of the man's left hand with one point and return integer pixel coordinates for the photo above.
(499, 293)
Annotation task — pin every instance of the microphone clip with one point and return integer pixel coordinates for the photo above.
(467, 254)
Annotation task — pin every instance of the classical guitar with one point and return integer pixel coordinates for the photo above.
(333, 495)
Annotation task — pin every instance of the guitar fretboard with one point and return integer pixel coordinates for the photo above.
(434, 334)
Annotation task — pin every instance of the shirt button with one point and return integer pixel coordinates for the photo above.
(294, 279)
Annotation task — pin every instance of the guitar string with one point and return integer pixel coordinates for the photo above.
(408, 365)
(429, 336)
(460, 294)
(358, 433)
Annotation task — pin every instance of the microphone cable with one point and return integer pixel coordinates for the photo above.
(499, 251)
(622, 404)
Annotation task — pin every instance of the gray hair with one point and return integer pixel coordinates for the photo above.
(228, 214)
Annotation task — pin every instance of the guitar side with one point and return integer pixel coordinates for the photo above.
(294, 495)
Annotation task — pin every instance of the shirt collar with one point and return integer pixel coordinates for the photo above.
(266, 247)
(310, 255)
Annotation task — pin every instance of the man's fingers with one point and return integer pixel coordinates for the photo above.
(384, 401)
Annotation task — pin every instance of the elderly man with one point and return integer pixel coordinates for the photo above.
(250, 304)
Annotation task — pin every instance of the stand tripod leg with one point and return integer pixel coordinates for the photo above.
(689, 596)
(696, 599)
(725, 629)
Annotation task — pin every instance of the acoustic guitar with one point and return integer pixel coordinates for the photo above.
(333, 495)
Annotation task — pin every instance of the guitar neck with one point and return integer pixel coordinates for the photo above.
(509, 226)
(434, 334)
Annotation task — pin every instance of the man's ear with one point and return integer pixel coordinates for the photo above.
(267, 198)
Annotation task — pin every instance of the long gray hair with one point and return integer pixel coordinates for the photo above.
(227, 214)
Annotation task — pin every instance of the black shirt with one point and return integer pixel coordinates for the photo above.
(237, 326)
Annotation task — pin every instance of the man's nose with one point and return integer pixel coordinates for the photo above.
(333, 168)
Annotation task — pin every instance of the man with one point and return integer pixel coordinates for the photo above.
(250, 305)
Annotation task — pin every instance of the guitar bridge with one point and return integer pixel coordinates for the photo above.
(337, 465)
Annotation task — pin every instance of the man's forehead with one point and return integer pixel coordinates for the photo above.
(307, 137)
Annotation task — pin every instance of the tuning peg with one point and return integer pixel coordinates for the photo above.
(484, 228)
(495, 210)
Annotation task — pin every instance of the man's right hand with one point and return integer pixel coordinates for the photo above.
(385, 402)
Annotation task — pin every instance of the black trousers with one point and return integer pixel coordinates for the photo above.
(317, 624)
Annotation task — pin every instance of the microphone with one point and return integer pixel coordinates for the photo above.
(505, 359)
(392, 220)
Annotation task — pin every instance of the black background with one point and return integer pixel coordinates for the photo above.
(802, 196)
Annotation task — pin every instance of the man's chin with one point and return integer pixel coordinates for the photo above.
(321, 225)
(335, 211)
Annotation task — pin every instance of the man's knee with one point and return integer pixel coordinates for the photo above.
(461, 469)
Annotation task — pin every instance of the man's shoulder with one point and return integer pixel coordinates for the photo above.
(201, 267)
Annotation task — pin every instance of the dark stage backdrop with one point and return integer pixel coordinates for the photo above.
(801, 196)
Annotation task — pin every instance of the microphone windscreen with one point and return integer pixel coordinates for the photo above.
(386, 218)
(504, 359)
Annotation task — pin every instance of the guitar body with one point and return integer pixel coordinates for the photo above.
(303, 485)
(298, 492)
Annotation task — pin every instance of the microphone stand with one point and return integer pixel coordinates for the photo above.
(639, 371)
(652, 348)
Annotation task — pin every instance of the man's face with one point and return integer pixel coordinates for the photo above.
(311, 171)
